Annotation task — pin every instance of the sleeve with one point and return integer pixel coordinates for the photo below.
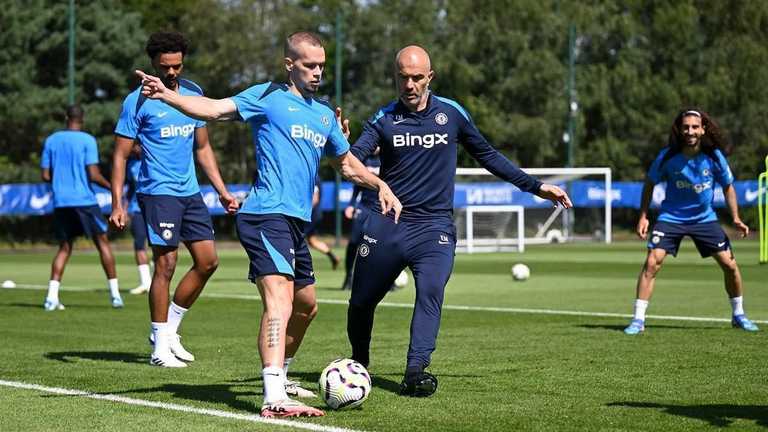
(722, 172)
(45, 160)
(492, 160)
(655, 172)
(128, 123)
(367, 142)
(337, 144)
(249, 102)
(91, 152)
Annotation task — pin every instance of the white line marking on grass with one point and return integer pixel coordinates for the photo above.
(504, 309)
(463, 308)
(175, 407)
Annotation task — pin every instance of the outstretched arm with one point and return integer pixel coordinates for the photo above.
(199, 107)
(495, 162)
(207, 160)
(354, 170)
(733, 206)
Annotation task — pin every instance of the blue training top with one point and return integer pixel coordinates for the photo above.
(67, 154)
(167, 138)
(690, 185)
(290, 134)
(418, 155)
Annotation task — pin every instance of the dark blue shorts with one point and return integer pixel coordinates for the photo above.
(709, 237)
(171, 219)
(275, 244)
(71, 222)
(138, 231)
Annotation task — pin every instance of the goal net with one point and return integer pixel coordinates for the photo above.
(492, 215)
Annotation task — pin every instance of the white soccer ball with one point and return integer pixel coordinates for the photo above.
(9, 284)
(344, 384)
(520, 272)
(402, 279)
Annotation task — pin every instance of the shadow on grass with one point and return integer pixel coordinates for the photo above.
(377, 381)
(719, 415)
(73, 356)
(621, 328)
(227, 394)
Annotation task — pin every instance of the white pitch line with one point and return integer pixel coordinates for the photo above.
(175, 407)
(461, 307)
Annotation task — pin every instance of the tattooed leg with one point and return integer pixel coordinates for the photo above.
(277, 298)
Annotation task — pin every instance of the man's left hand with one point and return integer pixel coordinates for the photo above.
(229, 202)
(555, 194)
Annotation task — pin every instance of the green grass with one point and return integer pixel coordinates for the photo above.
(498, 371)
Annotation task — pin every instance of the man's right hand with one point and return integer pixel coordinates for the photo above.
(349, 212)
(151, 86)
(118, 218)
(642, 227)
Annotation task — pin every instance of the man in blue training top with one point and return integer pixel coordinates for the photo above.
(419, 136)
(70, 163)
(138, 226)
(292, 129)
(168, 194)
(691, 165)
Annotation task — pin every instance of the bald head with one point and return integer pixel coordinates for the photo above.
(413, 72)
(415, 56)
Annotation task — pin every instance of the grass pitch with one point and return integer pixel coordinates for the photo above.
(510, 356)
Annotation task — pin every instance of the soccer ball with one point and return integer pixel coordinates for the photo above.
(520, 272)
(402, 279)
(9, 284)
(344, 384)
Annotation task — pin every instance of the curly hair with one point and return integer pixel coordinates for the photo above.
(166, 42)
(713, 138)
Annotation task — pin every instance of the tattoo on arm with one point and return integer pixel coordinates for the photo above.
(273, 332)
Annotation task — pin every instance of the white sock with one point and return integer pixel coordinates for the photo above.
(286, 365)
(737, 304)
(160, 333)
(144, 276)
(53, 291)
(640, 307)
(175, 315)
(114, 288)
(274, 384)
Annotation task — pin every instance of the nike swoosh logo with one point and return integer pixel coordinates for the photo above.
(751, 195)
(292, 109)
(162, 114)
(395, 122)
(721, 244)
(38, 202)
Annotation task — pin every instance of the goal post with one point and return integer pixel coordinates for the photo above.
(492, 215)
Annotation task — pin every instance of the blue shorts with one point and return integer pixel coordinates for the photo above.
(138, 231)
(71, 222)
(709, 237)
(171, 219)
(275, 244)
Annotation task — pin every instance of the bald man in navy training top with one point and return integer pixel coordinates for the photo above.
(418, 135)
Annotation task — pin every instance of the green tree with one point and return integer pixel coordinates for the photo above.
(33, 76)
